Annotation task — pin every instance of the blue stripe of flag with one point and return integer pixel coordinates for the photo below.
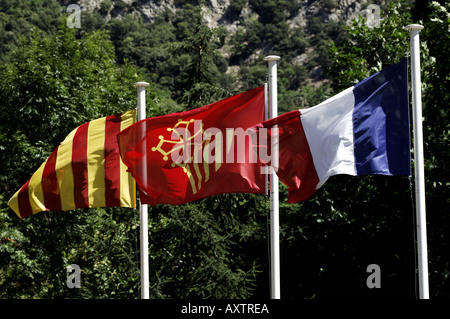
(381, 123)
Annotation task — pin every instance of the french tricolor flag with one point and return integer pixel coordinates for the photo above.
(363, 130)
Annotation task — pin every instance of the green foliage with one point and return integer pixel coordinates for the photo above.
(55, 78)
(204, 249)
(436, 77)
(51, 85)
(369, 50)
(55, 83)
(106, 251)
(200, 250)
(275, 11)
(20, 266)
(255, 34)
(18, 17)
(198, 81)
(308, 96)
(235, 8)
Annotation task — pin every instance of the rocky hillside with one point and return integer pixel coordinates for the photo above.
(229, 13)
(319, 21)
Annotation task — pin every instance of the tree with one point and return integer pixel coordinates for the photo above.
(17, 18)
(204, 249)
(369, 50)
(353, 222)
(436, 97)
(211, 248)
(198, 81)
(59, 78)
(372, 49)
(52, 84)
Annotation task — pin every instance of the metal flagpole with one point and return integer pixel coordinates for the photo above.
(143, 208)
(274, 198)
(421, 222)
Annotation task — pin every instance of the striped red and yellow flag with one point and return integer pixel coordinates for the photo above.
(85, 170)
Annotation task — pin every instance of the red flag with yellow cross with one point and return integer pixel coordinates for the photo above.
(182, 157)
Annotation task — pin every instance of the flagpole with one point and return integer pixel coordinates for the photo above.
(274, 196)
(143, 208)
(421, 223)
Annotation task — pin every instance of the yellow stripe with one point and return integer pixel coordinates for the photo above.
(96, 162)
(14, 203)
(197, 158)
(199, 175)
(35, 192)
(127, 188)
(64, 172)
(127, 183)
(187, 170)
(206, 162)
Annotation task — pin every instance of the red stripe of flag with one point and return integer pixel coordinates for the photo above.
(296, 165)
(24, 201)
(112, 161)
(50, 187)
(79, 167)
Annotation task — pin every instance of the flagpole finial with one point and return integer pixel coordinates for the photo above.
(414, 27)
(271, 58)
(141, 84)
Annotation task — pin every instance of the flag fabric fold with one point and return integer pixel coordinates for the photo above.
(363, 130)
(84, 171)
(181, 157)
